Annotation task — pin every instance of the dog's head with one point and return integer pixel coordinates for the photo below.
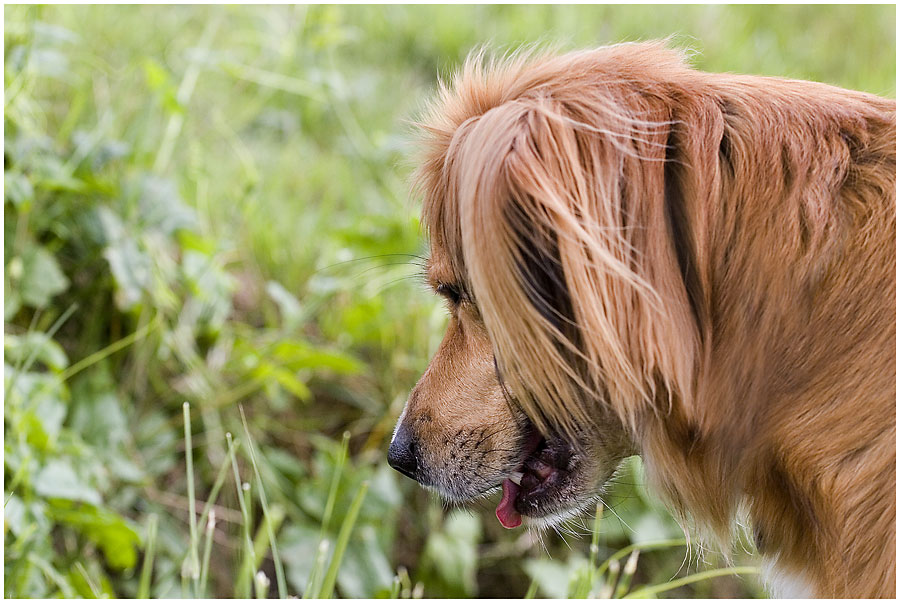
(542, 180)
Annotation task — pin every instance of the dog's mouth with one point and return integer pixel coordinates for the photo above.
(535, 488)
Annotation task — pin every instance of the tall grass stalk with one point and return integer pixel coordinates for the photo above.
(627, 574)
(25, 363)
(644, 546)
(260, 544)
(143, 591)
(184, 93)
(110, 349)
(335, 481)
(326, 514)
(92, 584)
(245, 514)
(612, 579)
(214, 492)
(262, 585)
(279, 568)
(55, 577)
(395, 588)
(590, 575)
(314, 583)
(193, 555)
(207, 549)
(341, 544)
(651, 591)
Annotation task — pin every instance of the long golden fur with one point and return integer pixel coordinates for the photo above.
(700, 268)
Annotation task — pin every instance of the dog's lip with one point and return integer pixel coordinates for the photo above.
(543, 470)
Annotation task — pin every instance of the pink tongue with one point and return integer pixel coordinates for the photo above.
(506, 511)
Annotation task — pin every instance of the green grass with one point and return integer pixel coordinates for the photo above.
(210, 205)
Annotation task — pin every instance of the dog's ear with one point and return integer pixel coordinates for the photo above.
(568, 248)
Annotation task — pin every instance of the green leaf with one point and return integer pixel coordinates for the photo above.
(290, 309)
(36, 406)
(292, 383)
(451, 554)
(365, 569)
(14, 515)
(131, 269)
(41, 277)
(298, 355)
(17, 188)
(552, 576)
(115, 536)
(97, 413)
(162, 208)
(58, 480)
(45, 350)
(297, 544)
(159, 80)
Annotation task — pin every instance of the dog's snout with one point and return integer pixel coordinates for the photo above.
(402, 453)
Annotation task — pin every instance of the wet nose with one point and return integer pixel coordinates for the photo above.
(402, 453)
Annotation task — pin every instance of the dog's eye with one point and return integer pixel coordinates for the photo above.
(450, 292)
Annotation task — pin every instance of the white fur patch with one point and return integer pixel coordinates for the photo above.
(782, 584)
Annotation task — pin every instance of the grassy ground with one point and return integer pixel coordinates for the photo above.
(209, 205)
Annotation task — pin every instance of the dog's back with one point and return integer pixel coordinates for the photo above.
(791, 224)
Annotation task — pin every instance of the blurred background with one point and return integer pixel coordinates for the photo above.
(210, 205)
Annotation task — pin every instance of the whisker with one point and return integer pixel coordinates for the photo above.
(423, 259)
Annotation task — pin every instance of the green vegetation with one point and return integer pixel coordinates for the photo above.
(206, 207)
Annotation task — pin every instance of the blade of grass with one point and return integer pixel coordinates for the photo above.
(143, 591)
(279, 568)
(648, 591)
(64, 587)
(586, 581)
(612, 579)
(405, 583)
(248, 541)
(214, 492)
(313, 584)
(260, 543)
(192, 511)
(110, 349)
(627, 574)
(341, 544)
(184, 93)
(207, 549)
(26, 363)
(92, 584)
(644, 546)
(532, 590)
(329, 508)
(395, 588)
(262, 585)
(595, 534)
(335, 481)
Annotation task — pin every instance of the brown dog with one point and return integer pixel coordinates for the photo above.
(698, 268)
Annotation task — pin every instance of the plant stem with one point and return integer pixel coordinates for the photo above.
(192, 513)
(644, 546)
(279, 569)
(207, 548)
(143, 591)
(647, 591)
(341, 545)
(110, 349)
(245, 514)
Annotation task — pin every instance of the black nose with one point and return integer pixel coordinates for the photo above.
(402, 453)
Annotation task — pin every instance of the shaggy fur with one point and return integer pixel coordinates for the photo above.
(697, 267)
